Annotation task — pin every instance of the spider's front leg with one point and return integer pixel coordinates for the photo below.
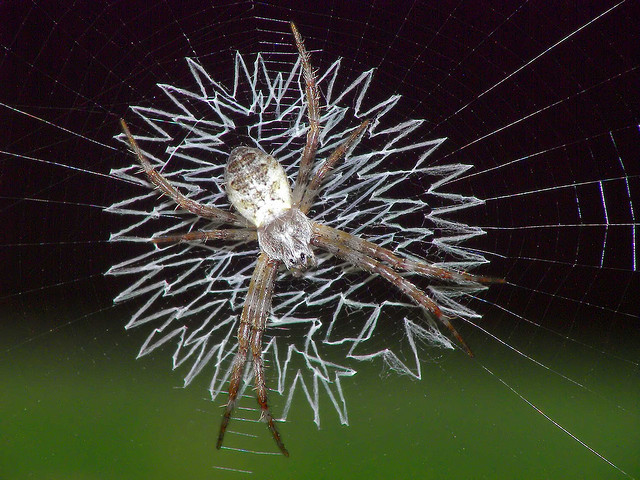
(252, 324)
(396, 262)
(342, 247)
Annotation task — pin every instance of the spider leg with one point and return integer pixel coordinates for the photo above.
(371, 265)
(253, 321)
(261, 386)
(236, 377)
(212, 213)
(230, 235)
(398, 263)
(313, 113)
(314, 184)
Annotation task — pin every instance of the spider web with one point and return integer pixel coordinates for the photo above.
(266, 108)
(541, 102)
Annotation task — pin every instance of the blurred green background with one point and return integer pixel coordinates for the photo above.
(76, 404)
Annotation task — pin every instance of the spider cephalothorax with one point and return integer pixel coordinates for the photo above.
(275, 216)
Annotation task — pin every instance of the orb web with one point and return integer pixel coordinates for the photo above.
(540, 99)
(189, 138)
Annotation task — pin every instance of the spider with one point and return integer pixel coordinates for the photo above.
(269, 211)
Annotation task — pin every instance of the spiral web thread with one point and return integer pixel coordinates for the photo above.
(191, 295)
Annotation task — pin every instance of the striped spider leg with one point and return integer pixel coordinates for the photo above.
(253, 321)
(276, 216)
(377, 260)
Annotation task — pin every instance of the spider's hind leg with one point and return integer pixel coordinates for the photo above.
(313, 114)
(166, 187)
(226, 235)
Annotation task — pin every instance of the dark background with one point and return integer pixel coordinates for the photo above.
(527, 120)
(542, 99)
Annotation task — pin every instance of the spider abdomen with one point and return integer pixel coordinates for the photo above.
(257, 185)
(258, 188)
